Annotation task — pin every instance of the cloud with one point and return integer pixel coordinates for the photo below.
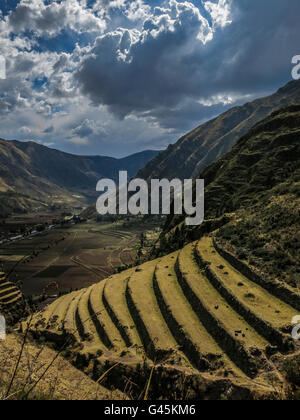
(220, 12)
(78, 141)
(25, 131)
(44, 108)
(181, 53)
(131, 70)
(49, 130)
(116, 76)
(37, 17)
(49, 18)
(85, 129)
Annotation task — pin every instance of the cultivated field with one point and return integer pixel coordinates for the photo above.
(189, 321)
(69, 258)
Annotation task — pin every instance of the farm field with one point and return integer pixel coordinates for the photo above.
(69, 258)
(189, 319)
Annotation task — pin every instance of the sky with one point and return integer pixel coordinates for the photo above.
(115, 77)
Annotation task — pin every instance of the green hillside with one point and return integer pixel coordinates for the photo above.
(257, 186)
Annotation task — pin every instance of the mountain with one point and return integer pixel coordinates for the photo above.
(32, 175)
(256, 188)
(214, 317)
(202, 146)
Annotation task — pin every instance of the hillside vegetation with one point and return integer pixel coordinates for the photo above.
(256, 187)
(208, 142)
(190, 321)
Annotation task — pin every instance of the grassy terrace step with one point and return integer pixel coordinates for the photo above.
(105, 327)
(51, 317)
(153, 330)
(5, 284)
(233, 334)
(11, 296)
(63, 306)
(115, 303)
(14, 299)
(260, 308)
(198, 345)
(85, 325)
(8, 290)
(283, 292)
(70, 317)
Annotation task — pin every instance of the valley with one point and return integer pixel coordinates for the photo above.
(70, 256)
(157, 309)
(150, 203)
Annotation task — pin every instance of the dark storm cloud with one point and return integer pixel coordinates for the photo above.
(168, 63)
(130, 74)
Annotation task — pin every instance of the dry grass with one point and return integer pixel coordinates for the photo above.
(62, 381)
(258, 300)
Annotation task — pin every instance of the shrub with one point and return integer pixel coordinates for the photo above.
(292, 370)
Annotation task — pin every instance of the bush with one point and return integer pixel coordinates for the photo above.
(292, 370)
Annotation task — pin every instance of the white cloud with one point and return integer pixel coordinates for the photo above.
(44, 108)
(25, 131)
(50, 18)
(220, 12)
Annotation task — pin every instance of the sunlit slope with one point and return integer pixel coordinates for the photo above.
(190, 310)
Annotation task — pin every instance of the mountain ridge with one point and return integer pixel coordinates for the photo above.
(35, 173)
(252, 197)
(193, 152)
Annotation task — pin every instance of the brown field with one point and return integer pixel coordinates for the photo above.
(74, 257)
